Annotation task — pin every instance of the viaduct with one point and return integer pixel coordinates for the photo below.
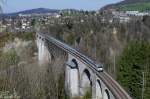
(81, 74)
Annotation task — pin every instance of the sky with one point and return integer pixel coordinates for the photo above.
(10, 6)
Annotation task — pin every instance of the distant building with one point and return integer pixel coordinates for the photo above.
(132, 12)
(122, 17)
(24, 26)
(136, 13)
(24, 15)
(58, 16)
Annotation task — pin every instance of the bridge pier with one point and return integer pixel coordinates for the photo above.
(72, 78)
(43, 53)
(94, 87)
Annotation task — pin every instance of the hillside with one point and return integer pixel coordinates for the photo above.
(135, 7)
(39, 10)
(140, 5)
(33, 11)
(131, 2)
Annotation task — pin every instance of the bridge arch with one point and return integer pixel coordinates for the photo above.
(86, 83)
(98, 90)
(75, 63)
(106, 94)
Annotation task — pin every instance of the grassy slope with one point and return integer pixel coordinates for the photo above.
(135, 7)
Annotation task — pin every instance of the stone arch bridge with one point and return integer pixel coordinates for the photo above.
(81, 74)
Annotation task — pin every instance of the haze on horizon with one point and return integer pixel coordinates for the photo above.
(10, 6)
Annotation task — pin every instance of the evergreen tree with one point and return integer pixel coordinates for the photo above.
(134, 61)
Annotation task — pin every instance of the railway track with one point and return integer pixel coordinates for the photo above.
(115, 88)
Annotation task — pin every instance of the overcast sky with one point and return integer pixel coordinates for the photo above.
(19, 5)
